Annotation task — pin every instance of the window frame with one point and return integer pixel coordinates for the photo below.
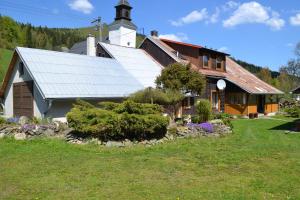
(203, 60)
(219, 60)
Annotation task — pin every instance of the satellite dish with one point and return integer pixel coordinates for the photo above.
(221, 84)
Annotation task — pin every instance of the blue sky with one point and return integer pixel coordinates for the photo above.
(260, 32)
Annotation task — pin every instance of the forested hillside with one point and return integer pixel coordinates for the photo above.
(255, 69)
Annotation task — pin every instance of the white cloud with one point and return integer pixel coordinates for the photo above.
(180, 37)
(290, 44)
(230, 5)
(295, 20)
(253, 12)
(194, 16)
(223, 49)
(83, 6)
(214, 17)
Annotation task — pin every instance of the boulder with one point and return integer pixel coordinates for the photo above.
(24, 120)
(114, 144)
(49, 132)
(2, 135)
(20, 136)
(216, 121)
(128, 143)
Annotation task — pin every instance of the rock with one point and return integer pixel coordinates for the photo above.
(49, 132)
(216, 121)
(170, 137)
(24, 120)
(128, 143)
(2, 135)
(20, 136)
(114, 144)
(68, 131)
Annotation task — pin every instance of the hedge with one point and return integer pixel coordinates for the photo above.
(127, 120)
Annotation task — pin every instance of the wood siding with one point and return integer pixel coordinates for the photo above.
(236, 109)
(195, 56)
(23, 99)
(100, 52)
(271, 107)
(157, 53)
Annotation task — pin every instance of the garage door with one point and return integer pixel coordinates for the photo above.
(23, 99)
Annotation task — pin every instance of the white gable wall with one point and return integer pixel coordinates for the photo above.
(123, 36)
(38, 104)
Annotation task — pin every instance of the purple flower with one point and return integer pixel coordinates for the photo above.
(27, 127)
(13, 120)
(208, 127)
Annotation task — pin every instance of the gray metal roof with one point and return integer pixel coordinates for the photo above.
(79, 48)
(136, 62)
(123, 2)
(65, 75)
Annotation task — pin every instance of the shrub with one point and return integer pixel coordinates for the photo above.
(293, 111)
(127, 121)
(2, 120)
(108, 105)
(203, 109)
(222, 116)
(138, 108)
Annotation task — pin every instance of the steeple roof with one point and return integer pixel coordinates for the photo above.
(123, 3)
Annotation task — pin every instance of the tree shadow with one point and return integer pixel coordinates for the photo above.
(289, 126)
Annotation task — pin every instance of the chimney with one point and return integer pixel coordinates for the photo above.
(154, 33)
(91, 45)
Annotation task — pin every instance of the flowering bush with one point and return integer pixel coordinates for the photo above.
(208, 127)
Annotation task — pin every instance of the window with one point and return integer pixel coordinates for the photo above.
(237, 98)
(127, 14)
(205, 60)
(188, 102)
(21, 68)
(219, 62)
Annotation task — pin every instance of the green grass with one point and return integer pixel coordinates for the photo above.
(259, 161)
(5, 57)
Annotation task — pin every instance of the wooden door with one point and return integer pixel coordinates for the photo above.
(23, 99)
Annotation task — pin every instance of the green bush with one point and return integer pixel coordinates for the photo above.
(203, 109)
(196, 119)
(293, 111)
(2, 120)
(127, 120)
(108, 105)
(222, 116)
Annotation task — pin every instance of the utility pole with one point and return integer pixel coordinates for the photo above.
(98, 27)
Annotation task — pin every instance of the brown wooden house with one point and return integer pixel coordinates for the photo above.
(244, 93)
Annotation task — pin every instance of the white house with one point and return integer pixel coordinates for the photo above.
(45, 83)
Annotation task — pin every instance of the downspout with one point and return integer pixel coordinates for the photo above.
(3, 106)
(49, 105)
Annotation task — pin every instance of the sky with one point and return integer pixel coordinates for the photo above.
(261, 32)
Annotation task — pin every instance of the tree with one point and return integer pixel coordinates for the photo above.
(265, 75)
(169, 98)
(178, 77)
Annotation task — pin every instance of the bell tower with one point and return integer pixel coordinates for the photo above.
(122, 31)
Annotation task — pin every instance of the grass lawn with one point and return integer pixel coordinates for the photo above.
(5, 57)
(259, 161)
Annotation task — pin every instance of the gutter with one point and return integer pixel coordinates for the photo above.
(49, 105)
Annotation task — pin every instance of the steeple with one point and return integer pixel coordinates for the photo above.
(122, 31)
(123, 10)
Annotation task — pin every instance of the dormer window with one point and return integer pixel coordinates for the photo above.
(21, 69)
(205, 61)
(219, 63)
